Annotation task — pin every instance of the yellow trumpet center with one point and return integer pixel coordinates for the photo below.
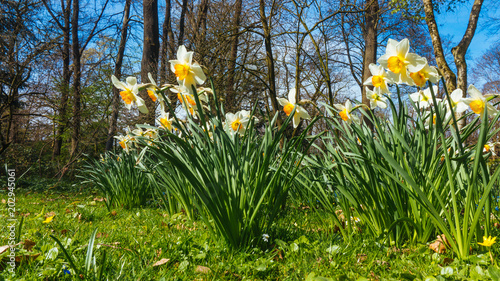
(377, 80)
(235, 125)
(343, 115)
(395, 64)
(434, 119)
(188, 99)
(181, 71)
(487, 147)
(152, 95)
(477, 106)
(418, 78)
(122, 144)
(375, 97)
(127, 96)
(167, 124)
(288, 108)
(425, 98)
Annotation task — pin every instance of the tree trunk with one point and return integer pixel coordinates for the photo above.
(75, 136)
(168, 52)
(181, 22)
(230, 103)
(370, 54)
(269, 59)
(63, 119)
(449, 76)
(461, 49)
(118, 72)
(150, 54)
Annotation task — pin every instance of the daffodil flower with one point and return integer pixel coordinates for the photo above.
(424, 97)
(399, 61)
(237, 122)
(188, 73)
(165, 121)
(288, 106)
(477, 102)
(345, 112)
(153, 90)
(489, 147)
(426, 73)
(247, 113)
(129, 93)
(124, 142)
(376, 99)
(457, 102)
(379, 78)
(187, 99)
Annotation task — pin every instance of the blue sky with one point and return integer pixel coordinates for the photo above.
(454, 24)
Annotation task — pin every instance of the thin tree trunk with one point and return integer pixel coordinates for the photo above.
(150, 54)
(370, 54)
(269, 59)
(63, 120)
(233, 53)
(201, 25)
(461, 49)
(75, 137)
(449, 76)
(165, 48)
(113, 124)
(181, 22)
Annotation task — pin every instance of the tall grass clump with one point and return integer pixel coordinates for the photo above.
(119, 179)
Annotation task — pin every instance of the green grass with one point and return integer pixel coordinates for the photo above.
(302, 244)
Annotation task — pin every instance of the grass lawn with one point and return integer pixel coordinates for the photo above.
(148, 244)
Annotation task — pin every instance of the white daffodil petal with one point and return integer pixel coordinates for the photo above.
(291, 95)
(283, 101)
(118, 84)
(131, 80)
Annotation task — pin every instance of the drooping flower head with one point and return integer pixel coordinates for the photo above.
(188, 73)
(400, 62)
(129, 93)
(290, 104)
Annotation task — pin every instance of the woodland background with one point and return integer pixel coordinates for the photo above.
(58, 105)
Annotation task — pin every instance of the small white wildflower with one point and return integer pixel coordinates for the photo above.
(265, 237)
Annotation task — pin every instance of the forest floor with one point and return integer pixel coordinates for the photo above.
(149, 244)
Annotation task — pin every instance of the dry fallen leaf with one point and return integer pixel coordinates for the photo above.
(113, 213)
(160, 262)
(28, 244)
(101, 234)
(4, 248)
(202, 269)
(439, 245)
(361, 257)
(64, 231)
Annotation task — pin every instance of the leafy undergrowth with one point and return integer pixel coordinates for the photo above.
(148, 244)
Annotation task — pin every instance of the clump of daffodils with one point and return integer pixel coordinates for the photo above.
(290, 104)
